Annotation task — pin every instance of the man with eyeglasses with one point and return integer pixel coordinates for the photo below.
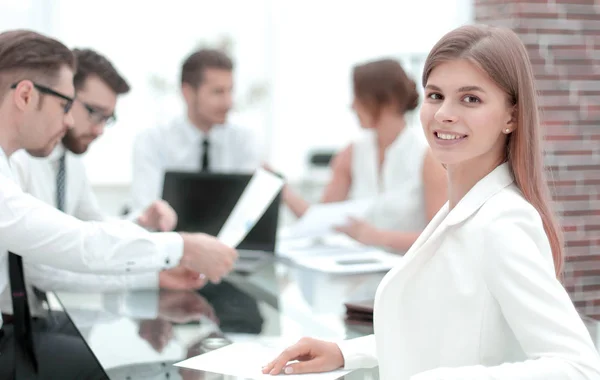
(36, 100)
(61, 181)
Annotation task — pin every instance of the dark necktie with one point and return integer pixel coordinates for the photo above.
(204, 164)
(25, 357)
(61, 178)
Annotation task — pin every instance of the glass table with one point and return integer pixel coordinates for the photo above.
(141, 334)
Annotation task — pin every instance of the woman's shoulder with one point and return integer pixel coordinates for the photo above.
(505, 216)
(509, 203)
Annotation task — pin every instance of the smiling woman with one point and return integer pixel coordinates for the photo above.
(477, 295)
(459, 118)
(490, 100)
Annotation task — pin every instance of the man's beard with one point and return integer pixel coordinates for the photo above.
(73, 144)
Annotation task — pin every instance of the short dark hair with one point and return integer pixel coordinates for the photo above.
(91, 63)
(383, 82)
(25, 54)
(193, 68)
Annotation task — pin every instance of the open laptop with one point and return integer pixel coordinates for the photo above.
(203, 202)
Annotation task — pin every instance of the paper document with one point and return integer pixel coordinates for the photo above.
(245, 360)
(254, 201)
(365, 261)
(321, 219)
(333, 244)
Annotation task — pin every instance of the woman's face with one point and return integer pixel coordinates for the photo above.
(465, 116)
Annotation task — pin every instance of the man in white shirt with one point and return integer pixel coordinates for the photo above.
(201, 140)
(36, 96)
(61, 181)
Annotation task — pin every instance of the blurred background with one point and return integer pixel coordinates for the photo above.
(292, 77)
(293, 64)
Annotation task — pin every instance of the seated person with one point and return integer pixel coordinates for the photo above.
(61, 181)
(36, 97)
(392, 164)
(202, 140)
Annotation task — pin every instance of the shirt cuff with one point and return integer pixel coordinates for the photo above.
(359, 352)
(133, 216)
(171, 243)
(144, 281)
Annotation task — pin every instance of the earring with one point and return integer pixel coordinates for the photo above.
(507, 130)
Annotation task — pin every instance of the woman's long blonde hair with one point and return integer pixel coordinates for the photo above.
(500, 53)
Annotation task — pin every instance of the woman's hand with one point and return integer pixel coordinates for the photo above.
(312, 355)
(361, 231)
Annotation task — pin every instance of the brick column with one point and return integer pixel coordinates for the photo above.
(563, 41)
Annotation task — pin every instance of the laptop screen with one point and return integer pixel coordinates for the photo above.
(203, 202)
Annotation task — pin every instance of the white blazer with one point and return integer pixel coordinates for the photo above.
(476, 297)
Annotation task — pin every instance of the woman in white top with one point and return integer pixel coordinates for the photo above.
(392, 165)
(477, 295)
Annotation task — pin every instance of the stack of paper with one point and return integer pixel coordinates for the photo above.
(350, 262)
(321, 219)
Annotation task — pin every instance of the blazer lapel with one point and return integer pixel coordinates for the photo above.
(428, 242)
(425, 246)
(430, 231)
(487, 187)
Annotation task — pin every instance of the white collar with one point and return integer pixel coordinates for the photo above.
(4, 159)
(488, 186)
(5, 168)
(193, 133)
(57, 153)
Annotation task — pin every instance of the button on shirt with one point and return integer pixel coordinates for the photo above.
(44, 235)
(178, 146)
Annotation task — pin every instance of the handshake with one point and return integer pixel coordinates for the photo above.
(204, 259)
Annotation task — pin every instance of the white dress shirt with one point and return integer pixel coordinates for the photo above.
(398, 188)
(476, 297)
(42, 234)
(37, 176)
(178, 146)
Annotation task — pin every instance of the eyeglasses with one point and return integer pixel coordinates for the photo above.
(49, 91)
(97, 116)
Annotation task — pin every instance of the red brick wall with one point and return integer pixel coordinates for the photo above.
(563, 40)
